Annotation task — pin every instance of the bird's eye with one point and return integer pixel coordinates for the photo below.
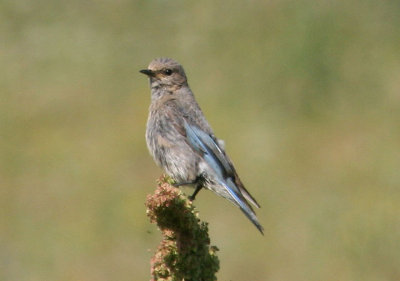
(168, 71)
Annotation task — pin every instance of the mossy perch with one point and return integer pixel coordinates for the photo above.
(184, 253)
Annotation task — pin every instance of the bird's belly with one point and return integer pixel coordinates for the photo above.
(171, 151)
(178, 163)
(182, 168)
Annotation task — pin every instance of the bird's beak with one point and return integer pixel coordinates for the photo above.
(148, 72)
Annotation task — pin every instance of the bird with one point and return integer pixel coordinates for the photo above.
(182, 142)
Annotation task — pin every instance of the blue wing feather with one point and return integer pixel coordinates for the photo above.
(216, 159)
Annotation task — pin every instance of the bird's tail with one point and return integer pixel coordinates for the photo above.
(241, 202)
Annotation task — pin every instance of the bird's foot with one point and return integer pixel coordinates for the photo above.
(198, 188)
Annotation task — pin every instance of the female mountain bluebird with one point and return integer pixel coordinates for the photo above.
(182, 142)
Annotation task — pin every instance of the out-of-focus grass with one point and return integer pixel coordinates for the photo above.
(306, 95)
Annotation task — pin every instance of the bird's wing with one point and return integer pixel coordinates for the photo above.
(218, 161)
(216, 148)
(202, 141)
(244, 191)
(213, 155)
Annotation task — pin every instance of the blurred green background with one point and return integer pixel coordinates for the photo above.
(306, 95)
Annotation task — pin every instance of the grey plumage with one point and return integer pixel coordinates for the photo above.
(182, 142)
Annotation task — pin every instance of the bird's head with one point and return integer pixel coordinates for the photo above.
(165, 72)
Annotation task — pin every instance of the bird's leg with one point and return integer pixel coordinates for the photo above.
(199, 186)
(198, 182)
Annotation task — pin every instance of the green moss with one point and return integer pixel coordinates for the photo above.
(184, 252)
